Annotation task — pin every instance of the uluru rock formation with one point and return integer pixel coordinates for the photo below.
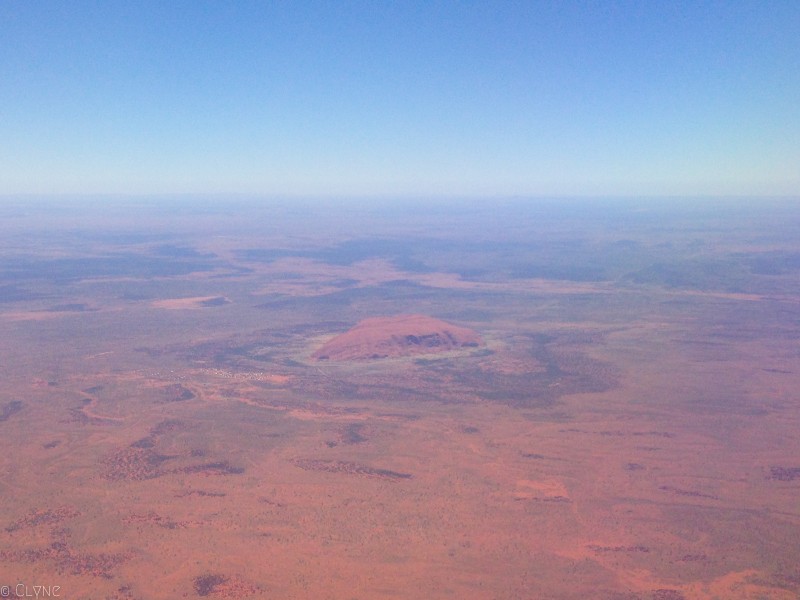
(403, 335)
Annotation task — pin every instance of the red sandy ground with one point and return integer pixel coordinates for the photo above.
(273, 481)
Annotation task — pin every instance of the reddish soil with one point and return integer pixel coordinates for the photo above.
(613, 440)
(391, 337)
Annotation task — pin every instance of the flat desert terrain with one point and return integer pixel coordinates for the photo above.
(541, 400)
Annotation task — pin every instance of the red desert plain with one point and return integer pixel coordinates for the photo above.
(528, 401)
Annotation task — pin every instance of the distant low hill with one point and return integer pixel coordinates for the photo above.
(403, 335)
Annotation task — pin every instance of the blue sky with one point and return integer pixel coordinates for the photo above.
(400, 98)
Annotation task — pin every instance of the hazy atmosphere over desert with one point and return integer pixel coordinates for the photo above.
(400, 300)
